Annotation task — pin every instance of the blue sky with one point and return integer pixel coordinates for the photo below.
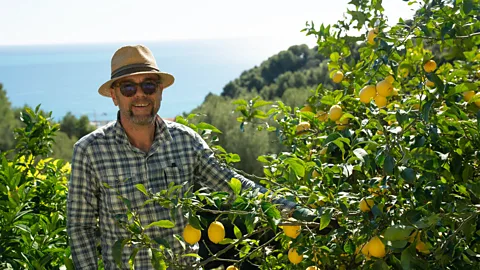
(32, 22)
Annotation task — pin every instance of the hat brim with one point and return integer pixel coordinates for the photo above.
(167, 80)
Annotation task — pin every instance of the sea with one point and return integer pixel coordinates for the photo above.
(65, 78)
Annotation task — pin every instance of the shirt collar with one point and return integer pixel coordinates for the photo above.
(162, 135)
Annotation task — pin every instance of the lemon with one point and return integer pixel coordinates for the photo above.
(429, 83)
(322, 116)
(366, 205)
(468, 95)
(341, 125)
(302, 126)
(312, 268)
(430, 66)
(216, 232)
(231, 267)
(376, 247)
(477, 95)
(335, 112)
(404, 72)
(365, 250)
(292, 231)
(381, 101)
(372, 34)
(337, 77)
(191, 235)
(293, 256)
(389, 79)
(306, 108)
(367, 93)
(384, 88)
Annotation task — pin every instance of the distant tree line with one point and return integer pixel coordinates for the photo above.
(71, 128)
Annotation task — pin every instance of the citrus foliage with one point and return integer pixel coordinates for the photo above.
(388, 158)
(33, 199)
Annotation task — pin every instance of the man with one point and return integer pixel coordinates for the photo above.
(138, 148)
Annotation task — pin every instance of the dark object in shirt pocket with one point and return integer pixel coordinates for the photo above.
(178, 174)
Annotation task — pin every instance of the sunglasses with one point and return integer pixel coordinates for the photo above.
(129, 88)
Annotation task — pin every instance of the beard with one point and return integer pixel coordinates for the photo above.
(142, 120)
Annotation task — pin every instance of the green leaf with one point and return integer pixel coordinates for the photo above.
(117, 251)
(360, 153)
(204, 125)
(426, 109)
(325, 219)
(409, 175)
(398, 232)
(237, 232)
(158, 261)
(226, 241)
(389, 165)
(407, 256)
(194, 255)
(162, 224)
(349, 247)
(194, 221)
(467, 6)
(260, 103)
(232, 158)
(297, 165)
(328, 100)
(335, 56)
(380, 265)
(240, 102)
(235, 185)
(142, 188)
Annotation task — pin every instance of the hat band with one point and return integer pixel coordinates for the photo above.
(129, 69)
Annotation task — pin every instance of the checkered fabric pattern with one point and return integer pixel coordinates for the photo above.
(178, 155)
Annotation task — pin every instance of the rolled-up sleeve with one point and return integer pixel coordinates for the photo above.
(82, 211)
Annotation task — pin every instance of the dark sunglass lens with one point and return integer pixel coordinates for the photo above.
(149, 87)
(128, 89)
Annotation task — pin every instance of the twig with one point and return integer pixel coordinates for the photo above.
(218, 254)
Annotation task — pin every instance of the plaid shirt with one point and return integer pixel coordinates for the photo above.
(178, 154)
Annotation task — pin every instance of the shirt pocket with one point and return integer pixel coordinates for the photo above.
(181, 174)
(122, 193)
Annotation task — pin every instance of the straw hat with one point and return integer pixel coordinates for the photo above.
(132, 60)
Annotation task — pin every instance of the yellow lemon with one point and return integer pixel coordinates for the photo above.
(306, 108)
(302, 126)
(312, 268)
(292, 231)
(389, 79)
(341, 125)
(337, 77)
(335, 112)
(372, 34)
(429, 83)
(366, 205)
(384, 88)
(322, 116)
(430, 66)
(191, 235)
(367, 93)
(477, 95)
(294, 257)
(468, 95)
(381, 101)
(404, 72)
(365, 250)
(376, 247)
(216, 232)
(231, 267)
